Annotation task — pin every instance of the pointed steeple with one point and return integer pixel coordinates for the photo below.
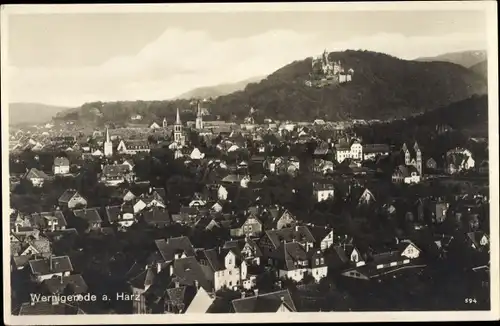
(416, 148)
(178, 118)
(107, 135)
(199, 110)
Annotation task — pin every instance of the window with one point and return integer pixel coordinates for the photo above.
(230, 273)
(322, 260)
(317, 261)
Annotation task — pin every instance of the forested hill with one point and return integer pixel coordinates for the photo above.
(382, 87)
(481, 68)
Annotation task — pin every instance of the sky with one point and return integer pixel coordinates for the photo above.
(70, 59)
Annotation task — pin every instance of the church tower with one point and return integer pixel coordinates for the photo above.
(418, 158)
(164, 124)
(108, 145)
(178, 132)
(199, 118)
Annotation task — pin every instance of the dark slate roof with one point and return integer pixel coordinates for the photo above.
(75, 284)
(59, 265)
(115, 170)
(376, 148)
(214, 259)
(289, 254)
(47, 308)
(40, 220)
(298, 233)
(67, 195)
(90, 215)
(144, 279)
(168, 248)
(188, 271)
(319, 232)
(157, 215)
(268, 302)
(115, 213)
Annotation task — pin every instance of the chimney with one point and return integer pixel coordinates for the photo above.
(256, 292)
(197, 284)
(171, 269)
(282, 298)
(158, 268)
(243, 295)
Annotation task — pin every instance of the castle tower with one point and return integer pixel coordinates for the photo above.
(418, 158)
(108, 145)
(178, 132)
(199, 118)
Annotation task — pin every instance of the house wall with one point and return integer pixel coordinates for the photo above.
(139, 206)
(138, 306)
(324, 195)
(327, 242)
(412, 179)
(227, 278)
(297, 275)
(222, 193)
(37, 182)
(63, 169)
(319, 272)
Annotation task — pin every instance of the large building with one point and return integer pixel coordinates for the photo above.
(413, 157)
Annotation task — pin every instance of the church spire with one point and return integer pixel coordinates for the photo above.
(107, 135)
(199, 110)
(178, 118)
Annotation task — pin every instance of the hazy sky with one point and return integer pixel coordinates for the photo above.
(69, 59)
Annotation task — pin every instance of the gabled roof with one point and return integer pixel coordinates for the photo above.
(115, 213)
(143, 279)
(475, 237)
(40, 220)
(67, 195)
(90, 215)
(156, 215)
(168, 248)
(75, 284)
(61, 161)
(187, 271)
(297, 233)
(51, 265)
(268, 302)
(35, 174)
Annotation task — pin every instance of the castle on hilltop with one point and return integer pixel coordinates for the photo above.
(327, 72)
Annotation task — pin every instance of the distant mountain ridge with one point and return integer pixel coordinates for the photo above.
(382, 87)
(218, 90)
(481, 68)
(32, 113)
(463, 58)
